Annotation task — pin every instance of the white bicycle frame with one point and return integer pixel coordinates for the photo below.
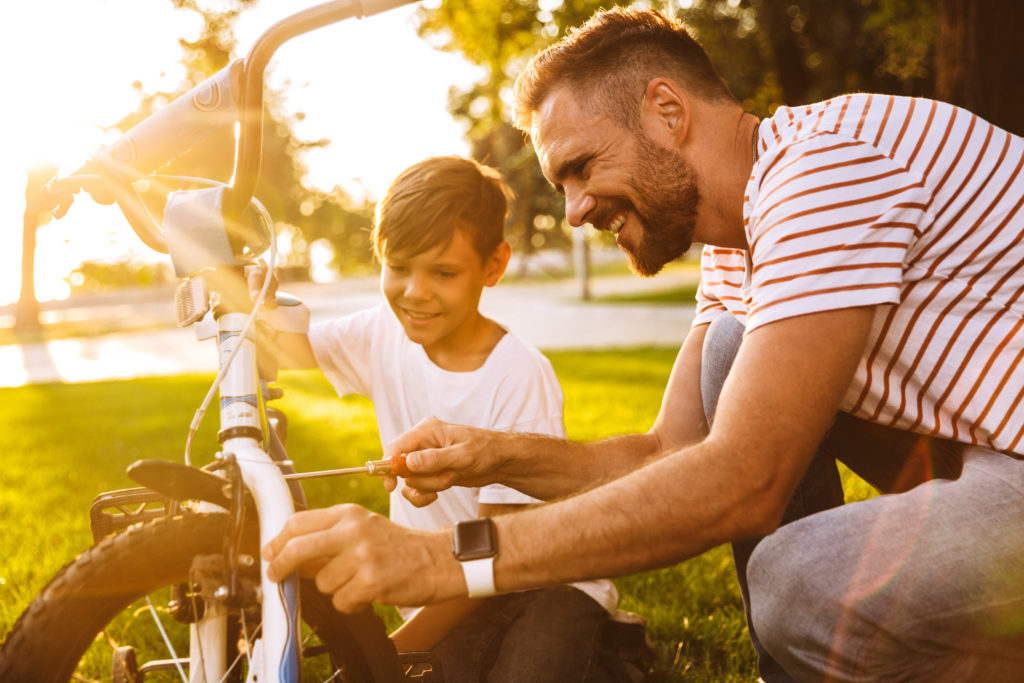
(277, 656)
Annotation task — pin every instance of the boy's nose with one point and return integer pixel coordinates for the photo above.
(416, 287)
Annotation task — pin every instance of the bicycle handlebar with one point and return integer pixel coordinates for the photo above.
(234, 94)
(250, 140)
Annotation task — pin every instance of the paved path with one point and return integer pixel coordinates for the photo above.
(548, 315)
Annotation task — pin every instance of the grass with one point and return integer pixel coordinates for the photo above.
(62, 444)
(673, 296)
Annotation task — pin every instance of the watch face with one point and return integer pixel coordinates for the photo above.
(475, 539)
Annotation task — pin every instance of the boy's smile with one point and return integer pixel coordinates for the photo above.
(434, 295)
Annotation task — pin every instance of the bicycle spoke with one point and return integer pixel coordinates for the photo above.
(167, 640)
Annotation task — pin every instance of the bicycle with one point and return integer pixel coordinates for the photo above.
(193, 534)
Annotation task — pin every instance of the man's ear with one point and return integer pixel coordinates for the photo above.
(496, 264)
(665, 111)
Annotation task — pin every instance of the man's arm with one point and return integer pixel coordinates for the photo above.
(546, 467)
(781, 395)
(779, 399)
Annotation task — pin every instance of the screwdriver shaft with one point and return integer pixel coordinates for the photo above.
(327, 473)
(374, 467)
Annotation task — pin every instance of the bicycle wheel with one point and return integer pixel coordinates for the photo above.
(81, 622)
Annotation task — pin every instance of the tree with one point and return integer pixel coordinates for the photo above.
(501, 36)
(294, 207)
(26, 315)
(978, 63)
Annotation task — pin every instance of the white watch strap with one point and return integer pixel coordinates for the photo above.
(479, 577)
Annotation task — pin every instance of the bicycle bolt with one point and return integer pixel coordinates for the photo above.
(246, 561)
(221, 593)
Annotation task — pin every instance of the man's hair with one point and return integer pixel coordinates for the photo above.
(428, 201)
(608, 62)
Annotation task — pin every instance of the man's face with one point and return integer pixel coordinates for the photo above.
(618, 180)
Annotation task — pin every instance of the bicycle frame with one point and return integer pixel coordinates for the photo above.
(210, 218)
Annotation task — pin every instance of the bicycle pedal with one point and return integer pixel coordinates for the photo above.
(421, 667)
(180, 482)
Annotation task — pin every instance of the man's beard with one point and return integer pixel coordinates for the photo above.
(667, 186)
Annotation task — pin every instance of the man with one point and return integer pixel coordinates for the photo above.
(871, 246)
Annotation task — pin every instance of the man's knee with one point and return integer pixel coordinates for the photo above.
(776, 581)
(721, 344)
(796, 605)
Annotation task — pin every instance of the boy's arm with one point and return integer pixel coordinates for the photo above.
(432, 623)
(426, 628)
(294, 351)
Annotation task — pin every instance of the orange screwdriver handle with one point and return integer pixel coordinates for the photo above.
(398, 466)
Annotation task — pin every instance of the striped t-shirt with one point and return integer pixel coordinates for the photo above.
(911, 205)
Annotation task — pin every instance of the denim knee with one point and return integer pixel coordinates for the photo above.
(791, 609)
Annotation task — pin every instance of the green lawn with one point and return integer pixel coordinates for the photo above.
(61, 444)
(681, 295)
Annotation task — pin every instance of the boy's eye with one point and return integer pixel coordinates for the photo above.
(396, 268)
(446, 274)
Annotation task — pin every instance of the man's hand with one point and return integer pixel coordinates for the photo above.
(359, 557)
(441, 455)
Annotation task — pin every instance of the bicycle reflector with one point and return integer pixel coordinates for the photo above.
(199, 235)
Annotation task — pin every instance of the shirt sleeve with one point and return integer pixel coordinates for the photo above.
(829, 229)
(721, 284)
(342, 348)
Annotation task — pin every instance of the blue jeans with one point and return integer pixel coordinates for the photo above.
(544, 635)
(847, 550)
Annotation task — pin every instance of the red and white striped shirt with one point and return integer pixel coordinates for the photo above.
(915, 207)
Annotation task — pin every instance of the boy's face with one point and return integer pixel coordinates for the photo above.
(434, 294)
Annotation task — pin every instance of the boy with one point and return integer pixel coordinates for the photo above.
(438, 235)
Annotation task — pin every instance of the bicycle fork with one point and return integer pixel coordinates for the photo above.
(275, 656)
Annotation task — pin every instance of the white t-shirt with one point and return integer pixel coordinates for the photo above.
(912, 206)
(515, 390)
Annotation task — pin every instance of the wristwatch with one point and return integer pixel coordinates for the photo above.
(474, 544)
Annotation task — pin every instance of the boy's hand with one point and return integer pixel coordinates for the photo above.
(255, 276)
(359, 557)
(442, 455)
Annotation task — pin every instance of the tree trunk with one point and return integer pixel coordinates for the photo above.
(978, 61)
(26, 315)
(788, 57)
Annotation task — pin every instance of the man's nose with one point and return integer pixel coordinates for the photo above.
(578, 204)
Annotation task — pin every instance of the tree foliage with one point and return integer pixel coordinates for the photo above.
(770, 52)
(306, 214)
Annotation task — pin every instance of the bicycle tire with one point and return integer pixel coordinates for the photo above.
(51, 636)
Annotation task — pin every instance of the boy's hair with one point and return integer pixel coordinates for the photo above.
(608, 62)
(428, 201)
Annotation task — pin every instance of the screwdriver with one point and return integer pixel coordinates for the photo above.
(394, 465)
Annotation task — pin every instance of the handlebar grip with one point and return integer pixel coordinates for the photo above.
(176, 128)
